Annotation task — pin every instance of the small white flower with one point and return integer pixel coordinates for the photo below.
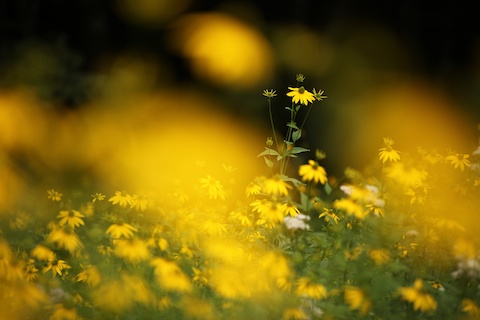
(297, 222)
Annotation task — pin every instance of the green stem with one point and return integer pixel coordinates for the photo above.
(271, 122)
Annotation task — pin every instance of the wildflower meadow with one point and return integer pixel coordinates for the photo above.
(107, 214)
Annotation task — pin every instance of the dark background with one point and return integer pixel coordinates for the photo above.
(436, 42)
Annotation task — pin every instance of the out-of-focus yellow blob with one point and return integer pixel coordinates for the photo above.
(223, 49)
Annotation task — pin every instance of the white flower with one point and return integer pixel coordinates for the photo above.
(297, 222)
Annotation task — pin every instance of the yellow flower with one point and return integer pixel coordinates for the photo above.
(471, 308)
(300, 95)
(117, 230)
(199, 276)
(328, 215)
(388, 153)
(90, 275)
(269, 93)
(71, 217)
(294, 314)
(65, 239)
(313, 172)
(306, 287)
(357, 300)
(350, 207)
(458, 160)
(243, 217)
(421, 301)
(62, 313)
(379, 256)
(54, 195)
(214, 188)
(273, 214)
(140, 202)
(252, 189)
(121, 198)
(276, 186)
(42, 253)
(133, 250)
(170, 276)
(56, 266)
(30, 271)
(319, 95)
(290, 209)
(98, 197)
(104, 250)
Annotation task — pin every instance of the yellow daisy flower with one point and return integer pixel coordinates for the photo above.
(388, 153)
(301, 95)
(421, 301)
(357, 300)
(328, 215)
(307, 288)
(56, 266)
(471, 308)
(214, 188)
(133, 250)
(42, 253)
(117, 230)
(170, 276)
(54, 195)
(276, 186)
(121, 198)
(458, 160)
(90, 275)
(71, 217)
(65, 239)
(313, 172)
(98, 197)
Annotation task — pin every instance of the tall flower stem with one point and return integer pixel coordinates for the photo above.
(271, 122)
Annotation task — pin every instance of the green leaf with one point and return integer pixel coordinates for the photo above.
(297, 183)
(292, 125)
(268, 162)
(279, 157)
(296, 135)
(328, 188)
(295, 150)
(269, 152)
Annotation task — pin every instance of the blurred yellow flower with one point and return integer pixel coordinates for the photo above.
(71, 217)
(350, 207)
(98, 196)
(133, 250)
(56, 266)
(306, 287)
(90, 275)
(294, 314)
(54, 195)
(388, 153)
(104, 250)
(252, 189)
(122, 198)
(243, 217)
(379, 256)
(471, 308)
(117, 230)
(65, 239)
(328, 215)
(170, 276)
(313, 172)
(458, 160)
(42, 253)
(357, 300)
(214, 188)
(421, 300)
(62, 313)
(300, 95)
(140, 202)
(276, 186)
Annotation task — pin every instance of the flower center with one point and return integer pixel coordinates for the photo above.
(301, 90)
